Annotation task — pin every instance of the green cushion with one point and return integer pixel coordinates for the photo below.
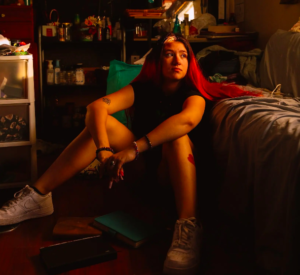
(120, 74)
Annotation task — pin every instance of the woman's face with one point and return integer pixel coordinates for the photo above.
(174, 61)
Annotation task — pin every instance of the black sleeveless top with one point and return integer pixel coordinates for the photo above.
(151, 107)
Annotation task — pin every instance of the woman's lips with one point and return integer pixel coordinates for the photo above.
(176, 69)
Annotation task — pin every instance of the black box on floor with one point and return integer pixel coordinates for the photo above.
(75, 254)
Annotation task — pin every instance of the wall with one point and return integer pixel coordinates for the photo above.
(266, 16)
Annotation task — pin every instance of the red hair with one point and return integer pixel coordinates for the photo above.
(151, 71)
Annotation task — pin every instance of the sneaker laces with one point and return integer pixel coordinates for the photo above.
(17, 197)
(183, 232)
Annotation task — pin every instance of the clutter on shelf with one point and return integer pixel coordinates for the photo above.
(90, 29)
(19, 48)
(13, 128)
(146, 13)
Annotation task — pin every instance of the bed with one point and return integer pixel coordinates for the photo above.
(256, 144)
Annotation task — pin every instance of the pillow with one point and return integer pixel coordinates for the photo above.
(121, 74)
(280, 63)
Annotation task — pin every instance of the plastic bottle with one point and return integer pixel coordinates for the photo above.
(50, 73)
(80, 79)
(186, 26)
(177, 28)
(57, 72)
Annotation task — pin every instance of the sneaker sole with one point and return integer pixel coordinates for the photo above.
(30, 215)
(177, 271)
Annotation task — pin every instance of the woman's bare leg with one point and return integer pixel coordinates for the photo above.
(179, 161)
(80, 153)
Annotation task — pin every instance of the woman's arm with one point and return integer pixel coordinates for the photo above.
(177, 125)
(98, 110)
(172, 128)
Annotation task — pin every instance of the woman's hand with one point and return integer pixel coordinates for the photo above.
(114, 164)
(103, 156)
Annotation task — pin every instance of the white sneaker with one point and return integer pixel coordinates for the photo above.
(184, 254)
(26, 204)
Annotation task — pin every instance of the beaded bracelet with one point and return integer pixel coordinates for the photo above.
(136, 150)
(148, 141)
(104, 149)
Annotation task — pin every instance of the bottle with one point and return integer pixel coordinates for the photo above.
(50, 73)
(62, 76)
(114, 32)
(73, 75)
(76, 19)
(118, 30)
(99, 29)
(182, 26)
(108, 30)
(186, 26)
(177, 28)
(69, 76)
(221, 11)
(75, 30)
(57, 72)
(103, 28)
(80, 79)
(232, 20)
(61, 33)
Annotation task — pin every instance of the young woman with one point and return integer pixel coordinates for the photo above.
(168, 100)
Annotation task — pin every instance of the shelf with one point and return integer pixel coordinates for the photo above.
(191, 40)
(54, 40)
(149, 17)
(144, 39)
(15, 144)
(18, 158)
(14, 101)
(146, 13)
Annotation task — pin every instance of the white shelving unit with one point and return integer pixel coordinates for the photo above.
(18, 160)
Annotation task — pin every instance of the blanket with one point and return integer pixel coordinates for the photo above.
(257, 144)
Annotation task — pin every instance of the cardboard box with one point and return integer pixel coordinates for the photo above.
(49, 31)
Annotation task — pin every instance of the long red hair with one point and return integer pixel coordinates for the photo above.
(151, 71)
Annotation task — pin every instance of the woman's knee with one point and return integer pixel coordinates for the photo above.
(178, 143)
(118, 134)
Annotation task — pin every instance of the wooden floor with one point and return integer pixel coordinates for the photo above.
(87, 198)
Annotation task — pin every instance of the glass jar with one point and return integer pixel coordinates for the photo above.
(80, 78)
(62, 77)
(70, 76)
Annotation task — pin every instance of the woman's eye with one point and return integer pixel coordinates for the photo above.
(169, 54)
(184, 55)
